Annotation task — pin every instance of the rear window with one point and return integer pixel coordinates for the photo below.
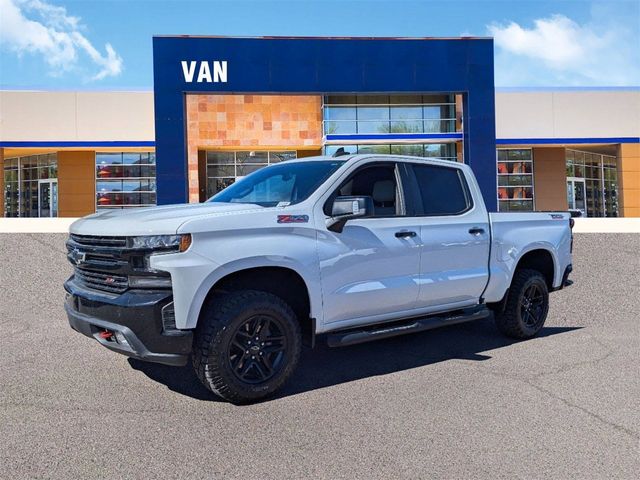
(443, 190)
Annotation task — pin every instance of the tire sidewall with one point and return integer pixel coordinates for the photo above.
(236, 318)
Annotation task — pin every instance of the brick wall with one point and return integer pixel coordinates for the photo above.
(246, 122)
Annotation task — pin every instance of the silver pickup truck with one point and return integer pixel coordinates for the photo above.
(350, 249)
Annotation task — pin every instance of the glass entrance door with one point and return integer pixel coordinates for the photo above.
(48, 198)
(576, 194)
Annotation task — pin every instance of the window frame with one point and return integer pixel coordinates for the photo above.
(416, 195)
(401, 178)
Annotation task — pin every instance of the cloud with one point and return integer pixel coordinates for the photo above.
(559, 51)
(40, 28)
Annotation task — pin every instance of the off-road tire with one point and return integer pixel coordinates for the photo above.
(514, 321)
(216, 338)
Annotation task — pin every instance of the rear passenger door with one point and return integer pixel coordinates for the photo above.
(455, 237)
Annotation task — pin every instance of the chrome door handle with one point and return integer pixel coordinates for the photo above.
(476, 231)
(405, 234)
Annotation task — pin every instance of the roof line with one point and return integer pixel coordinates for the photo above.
(294, 37)
(629, 88)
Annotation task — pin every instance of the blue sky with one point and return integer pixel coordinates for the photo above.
(106, 44)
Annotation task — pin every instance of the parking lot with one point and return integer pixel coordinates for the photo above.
(460, 402)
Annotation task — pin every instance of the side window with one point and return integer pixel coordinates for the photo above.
(379, 183)
(443, 190)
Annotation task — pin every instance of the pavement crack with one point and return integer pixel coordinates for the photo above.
(595, 416)
(609, 352)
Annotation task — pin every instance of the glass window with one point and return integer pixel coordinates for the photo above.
(108, 158)
(376, 114)
(275, 157)
(445, 151)
(340, 128)
(224, 167)
(261, 158)
(374, 149)
(125, 179)
(21, 183)
(340, 113)
(515, 179)
(443, 190)
(289, 183)
(223, 158)
(376, 181)
(348, 149)
(221, 170)
(373, 113)
(600, 179)
(406, 126)
(244, 170)
(412, 150)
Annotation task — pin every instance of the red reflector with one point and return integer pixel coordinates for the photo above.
(106, 334)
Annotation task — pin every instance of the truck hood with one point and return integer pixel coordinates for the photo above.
(164, 220)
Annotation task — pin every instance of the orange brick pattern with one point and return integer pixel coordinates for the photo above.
(629, 179)
(243, 122)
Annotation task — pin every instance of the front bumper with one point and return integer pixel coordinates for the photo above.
(130, 323)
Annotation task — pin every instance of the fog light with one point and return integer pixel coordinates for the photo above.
(168, 318)
(150, 281)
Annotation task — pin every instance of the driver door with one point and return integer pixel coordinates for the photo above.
(370, 268)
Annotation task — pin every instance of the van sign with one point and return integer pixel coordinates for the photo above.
(207, 72)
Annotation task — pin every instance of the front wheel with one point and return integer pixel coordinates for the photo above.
(246, 346)
(527, 305)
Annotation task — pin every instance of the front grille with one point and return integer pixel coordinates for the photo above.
(95, 241)
(102, 281)
(106, 263)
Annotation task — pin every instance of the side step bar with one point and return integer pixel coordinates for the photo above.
(399, 327)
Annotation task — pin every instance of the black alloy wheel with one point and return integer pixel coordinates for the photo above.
(526, 307)
(247, 344)
(258, 349)
(532, 309)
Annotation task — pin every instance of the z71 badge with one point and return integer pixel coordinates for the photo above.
(293, 218)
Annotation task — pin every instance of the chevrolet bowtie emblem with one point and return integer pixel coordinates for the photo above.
(77, 256)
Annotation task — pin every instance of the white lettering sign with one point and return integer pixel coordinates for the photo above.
(208, 72)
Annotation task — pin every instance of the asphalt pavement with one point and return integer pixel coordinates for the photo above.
(460, 402)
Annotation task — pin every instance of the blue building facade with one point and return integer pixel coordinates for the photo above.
(333, 68)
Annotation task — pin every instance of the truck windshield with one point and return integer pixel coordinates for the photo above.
(282, 184)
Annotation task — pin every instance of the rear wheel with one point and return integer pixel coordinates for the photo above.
(527, 305)
(246, 346)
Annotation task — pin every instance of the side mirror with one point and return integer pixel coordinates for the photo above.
(346, 208)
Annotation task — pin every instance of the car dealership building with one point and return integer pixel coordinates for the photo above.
(224, 107)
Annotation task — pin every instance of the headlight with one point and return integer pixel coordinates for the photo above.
(151, 242)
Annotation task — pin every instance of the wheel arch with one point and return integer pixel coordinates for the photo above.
(281, 277)
(539, 259)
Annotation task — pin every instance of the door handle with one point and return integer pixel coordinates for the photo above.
(405, 234)
(476, 231)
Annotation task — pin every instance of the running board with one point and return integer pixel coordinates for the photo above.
(399, 327)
